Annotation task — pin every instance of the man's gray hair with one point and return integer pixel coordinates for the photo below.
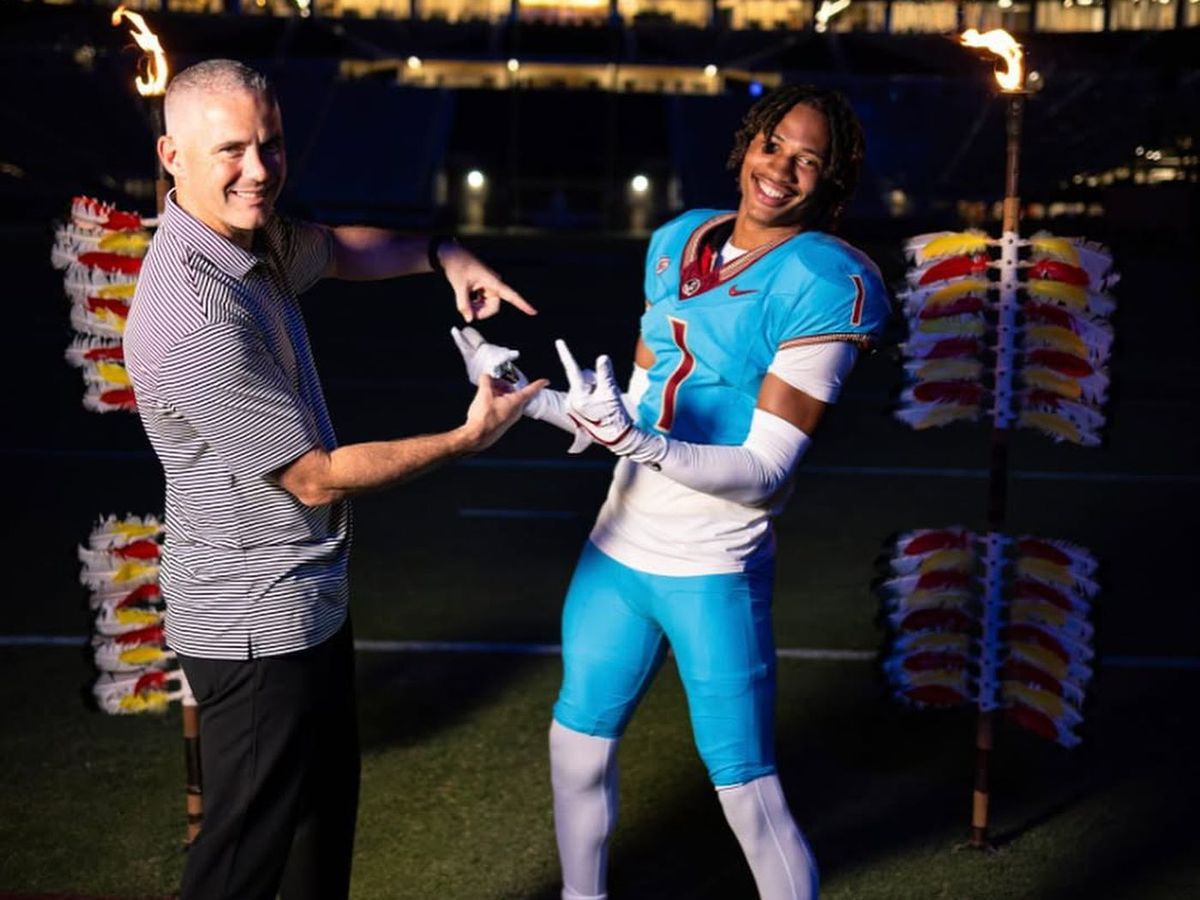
(215, 76)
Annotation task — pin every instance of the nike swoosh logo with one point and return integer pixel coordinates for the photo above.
(584, 421)
(734, 292)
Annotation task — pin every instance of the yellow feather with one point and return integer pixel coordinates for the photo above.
(948, 560)
(954, 244)
(959, 325)
(128, 243)
(1045, 570)
(955, 289)
(121, 291)
(1049, 380)
(113, 373)
(133, 530)
(1055, 248)
(133, 616)
(1041, 657)
(1037, 611)
(131, 571)
(1052, 424)
(1051, 704)
(1059, 338)
(151, 701)
(143, 655)
(950, 370)
(1070, 295)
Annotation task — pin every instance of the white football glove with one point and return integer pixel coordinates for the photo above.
(595, 403)
(549, 406)
(481, 357)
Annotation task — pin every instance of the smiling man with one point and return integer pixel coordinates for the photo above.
(254, 570)
(753, 320)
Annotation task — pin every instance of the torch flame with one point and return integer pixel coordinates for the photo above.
(154, 82)
(829, 9)
(1001, 43)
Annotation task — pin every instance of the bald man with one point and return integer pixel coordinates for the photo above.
(258, 525)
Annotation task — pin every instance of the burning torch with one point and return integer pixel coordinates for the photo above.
(151, 83)
(1012, 84)
(984, 618)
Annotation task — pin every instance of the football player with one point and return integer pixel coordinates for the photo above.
(753, 320)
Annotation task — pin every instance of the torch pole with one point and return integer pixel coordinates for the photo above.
(153, 88)
(161, 183)
(193, 774)
(193, 784)
(1006, 327)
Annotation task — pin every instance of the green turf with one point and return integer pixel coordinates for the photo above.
(455, 800)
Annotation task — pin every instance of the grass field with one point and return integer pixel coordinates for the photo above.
(455, 800)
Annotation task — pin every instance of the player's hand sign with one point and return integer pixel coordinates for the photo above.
(595, 403)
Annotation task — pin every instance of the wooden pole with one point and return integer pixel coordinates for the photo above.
(193, 775)
(162, 184)
(1003, 391)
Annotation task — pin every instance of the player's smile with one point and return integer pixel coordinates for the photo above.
(771, 193)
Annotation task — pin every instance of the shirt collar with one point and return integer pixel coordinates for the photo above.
(220, 251)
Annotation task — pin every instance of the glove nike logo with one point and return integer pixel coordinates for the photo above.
(734, 292)
(583, 422)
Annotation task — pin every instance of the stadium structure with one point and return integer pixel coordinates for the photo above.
(610, 115)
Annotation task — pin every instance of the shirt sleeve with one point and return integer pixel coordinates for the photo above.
(305, 250)
(816, 369)
(225, 383)
(840, 296)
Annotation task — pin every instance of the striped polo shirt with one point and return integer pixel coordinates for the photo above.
(228, 393)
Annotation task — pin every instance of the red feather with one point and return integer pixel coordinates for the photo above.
(935, 695)
(954, 308)
(111, 262)
(948, 391)
(951, 619)
(1033, 720)
(1032, 635)
(935, 540)
(955, 267)
(1053, 270)
(1064, 363)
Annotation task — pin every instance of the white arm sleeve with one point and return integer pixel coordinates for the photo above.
(551, 406)
(751, 473)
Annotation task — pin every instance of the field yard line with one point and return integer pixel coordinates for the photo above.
(605, 464)
(517, 648)
(475, 512)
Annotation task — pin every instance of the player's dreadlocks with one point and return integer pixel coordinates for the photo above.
(846, 146)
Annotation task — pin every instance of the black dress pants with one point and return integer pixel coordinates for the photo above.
(280, 761)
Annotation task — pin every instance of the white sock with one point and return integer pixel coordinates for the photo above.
(782, 864)
(583, 773)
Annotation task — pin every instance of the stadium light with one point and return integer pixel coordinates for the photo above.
(476, 180)
(639, 184)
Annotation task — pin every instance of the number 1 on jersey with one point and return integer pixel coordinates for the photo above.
(685, 367)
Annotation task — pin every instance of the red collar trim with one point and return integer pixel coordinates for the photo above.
(694, 279)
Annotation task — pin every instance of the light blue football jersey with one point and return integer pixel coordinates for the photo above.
(714, 333)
